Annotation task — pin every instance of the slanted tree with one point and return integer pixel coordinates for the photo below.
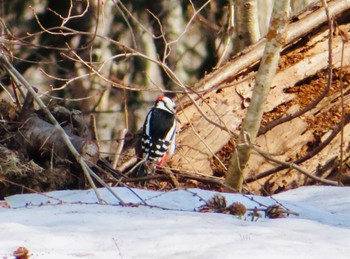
(274, 42)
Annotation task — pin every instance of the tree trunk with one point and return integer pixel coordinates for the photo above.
(246, 23)
(224, 93)
(267, 70)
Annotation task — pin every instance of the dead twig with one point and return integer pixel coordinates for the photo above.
(171, 176)
(118, 151)
(341, 165)
(312, 153)
(87, 171)
(294, 166)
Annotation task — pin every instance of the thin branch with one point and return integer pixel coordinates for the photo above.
(87, 171)
(294, 166)
(274, 123)
(290, 117)
(294, 31)
(205, 143)
(311, 154)
(344, 41)
(118, 151)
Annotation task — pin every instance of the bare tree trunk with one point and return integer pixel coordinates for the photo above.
(106, 121)
(298, 5)
(222, 92)
(266, 73)
(246, 21)
(264, 14)
(175, 23)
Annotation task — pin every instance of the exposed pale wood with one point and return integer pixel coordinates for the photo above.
(290, 178)
(193, 155)
(246, 23)
(275, 40)
(295, 31)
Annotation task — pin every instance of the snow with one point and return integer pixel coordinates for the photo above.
(69, 224)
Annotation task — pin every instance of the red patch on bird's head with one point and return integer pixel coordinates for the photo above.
(160, 98)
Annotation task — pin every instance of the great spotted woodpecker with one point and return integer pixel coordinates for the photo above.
(158, 134)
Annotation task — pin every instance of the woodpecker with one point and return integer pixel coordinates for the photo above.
(158, 133)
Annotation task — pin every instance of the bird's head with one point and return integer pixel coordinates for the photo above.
(166, 104)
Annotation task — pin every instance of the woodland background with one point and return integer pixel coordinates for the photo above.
(107, 61)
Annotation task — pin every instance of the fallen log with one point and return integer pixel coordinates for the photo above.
(42, 139)
(222, 98)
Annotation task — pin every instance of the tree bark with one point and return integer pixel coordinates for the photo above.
(267, 70)
(246, 23)
(303, 26)
(42, 139)
(222, 96)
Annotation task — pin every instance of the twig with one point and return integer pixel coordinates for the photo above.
(203, 140)
(87, 171)
(344, 41)
(118, 248)
(290, 117)
(195, 12)
(171, 176)
(330, 75)
(294, 166)
(31, 190)
(312, 153)
(130, 162)
(21, 80)
(118, 151)
(203, 179)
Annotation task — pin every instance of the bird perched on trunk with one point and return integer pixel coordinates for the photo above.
(158, 133)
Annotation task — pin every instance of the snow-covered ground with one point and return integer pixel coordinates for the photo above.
(72, 225)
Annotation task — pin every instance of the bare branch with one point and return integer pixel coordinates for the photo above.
(87, 171)
(294, 166)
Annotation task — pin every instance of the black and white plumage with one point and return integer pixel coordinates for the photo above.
(158, 135)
